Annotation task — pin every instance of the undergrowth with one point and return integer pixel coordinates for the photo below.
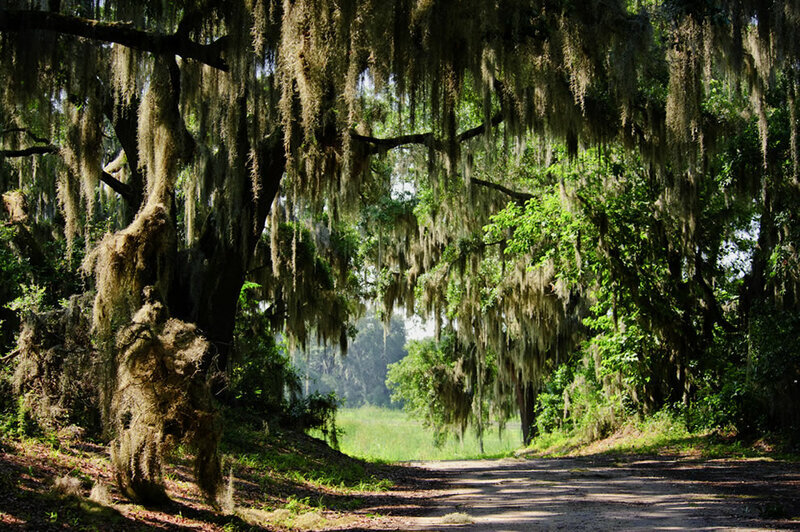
(293, 457)
(663, 433)
(278, 478)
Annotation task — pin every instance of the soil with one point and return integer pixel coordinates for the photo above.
(598, 492)
(609, 493)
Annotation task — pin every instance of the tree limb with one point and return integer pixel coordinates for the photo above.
(116, 32)
(519, 197)
(123, 189)
(28, 132)
(378, 145)
(33, 150)
(483, 128)
(710, 298)
(11, 355)
(125, 122)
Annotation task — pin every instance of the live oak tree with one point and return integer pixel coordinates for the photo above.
(187, 128)
(659, 222)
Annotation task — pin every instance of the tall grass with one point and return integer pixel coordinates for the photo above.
(390, 435)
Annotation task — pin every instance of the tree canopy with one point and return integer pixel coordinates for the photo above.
(566, 163)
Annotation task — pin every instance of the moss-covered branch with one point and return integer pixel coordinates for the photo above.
(127, 192)
(519, 197)
(32, 150)
(26, 131)
(116, 32)
(378, 145)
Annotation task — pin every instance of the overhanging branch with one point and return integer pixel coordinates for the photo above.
(26, 131)
(123, 189)
(115, 32)
(377, 145)
(519, 197)
(483, 128)
(26, 152)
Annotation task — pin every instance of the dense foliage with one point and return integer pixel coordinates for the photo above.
(331, 152)
(435, 376)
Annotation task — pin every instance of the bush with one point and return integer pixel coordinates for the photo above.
(262, 379)
(58, 374)
(317, 411)
(550, 414)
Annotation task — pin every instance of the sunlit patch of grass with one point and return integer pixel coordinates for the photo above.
(556, 443)
(385, 435)
(296, 514)
(281, 459)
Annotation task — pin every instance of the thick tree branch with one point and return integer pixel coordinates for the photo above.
(116, 32)
(483, 128)
(125, 123)
(519, 197)
(188, 143)
(710, 298)
(26, 152)
(123, 189)
(378, 145)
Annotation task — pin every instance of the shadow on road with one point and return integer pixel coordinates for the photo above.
(610, 493)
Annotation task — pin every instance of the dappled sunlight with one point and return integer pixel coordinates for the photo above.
(598, 493)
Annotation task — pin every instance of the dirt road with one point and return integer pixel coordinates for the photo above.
(605, 493)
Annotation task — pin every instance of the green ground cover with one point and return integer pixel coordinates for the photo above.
(662, 433)
(390, 435)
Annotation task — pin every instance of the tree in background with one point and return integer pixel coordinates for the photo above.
(640, 252)
(357, 377)
(449, 389)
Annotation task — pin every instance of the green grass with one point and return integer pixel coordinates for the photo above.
(285, 458)
(657, 433)
(381, 434)
(661, 433)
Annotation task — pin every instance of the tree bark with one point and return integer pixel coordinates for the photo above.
(526, 401)
(211, 274)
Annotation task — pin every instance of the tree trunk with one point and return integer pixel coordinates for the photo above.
(211, 274)
(526, 401)
(163, 391)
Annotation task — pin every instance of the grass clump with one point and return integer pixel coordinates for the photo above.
(457, 518)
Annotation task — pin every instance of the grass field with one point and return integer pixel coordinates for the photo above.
(383, 434)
